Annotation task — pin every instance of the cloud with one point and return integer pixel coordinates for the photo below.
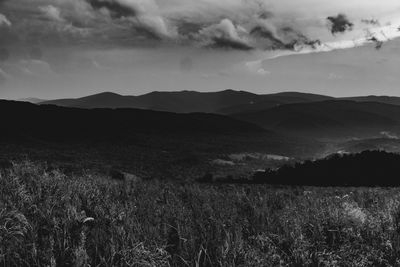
(378, 43)
(154, 26)
(4, 21)
(52, 13)
(116, 9)
(225, 24)
(263, 72)
(256, 67)
(371, 22)
(224, 35)
(142, 14)
(79, 13)
(376, 36)
(269, 36)
(340, 24)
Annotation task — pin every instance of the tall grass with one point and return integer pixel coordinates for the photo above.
(50, 219)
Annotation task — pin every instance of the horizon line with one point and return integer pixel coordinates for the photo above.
(193, 91)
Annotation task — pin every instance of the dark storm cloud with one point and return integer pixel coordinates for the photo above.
(225, 35)
(229, 24)
(271, 41)
(116, 9)
(284, 38)
(296, 38)
(141, 23)
(141, 16)
(340, 24)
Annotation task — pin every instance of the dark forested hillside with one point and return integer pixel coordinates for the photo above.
(46, 121)
(182, 145)
(368, 168)
(331, 119)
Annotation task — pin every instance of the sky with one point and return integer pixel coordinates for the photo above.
(71, 48)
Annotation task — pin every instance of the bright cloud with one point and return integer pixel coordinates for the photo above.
(52, 13)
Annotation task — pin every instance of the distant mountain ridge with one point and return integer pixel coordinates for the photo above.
(179, 102)
(289, 113)
(222, 102)
(274, 100)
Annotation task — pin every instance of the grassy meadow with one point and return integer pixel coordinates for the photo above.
(48, 218)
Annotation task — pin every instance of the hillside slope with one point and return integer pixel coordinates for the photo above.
(67, 123)
(328, 118)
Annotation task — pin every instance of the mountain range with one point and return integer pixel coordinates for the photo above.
(289, 113)
(222, 102)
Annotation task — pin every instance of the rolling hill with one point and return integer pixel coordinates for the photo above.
(180, 144)
(392, 100)
(67, 123)
(273, 100)
(328, 119)
(381, 143)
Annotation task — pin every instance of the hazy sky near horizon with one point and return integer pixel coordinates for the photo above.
(71, 48)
